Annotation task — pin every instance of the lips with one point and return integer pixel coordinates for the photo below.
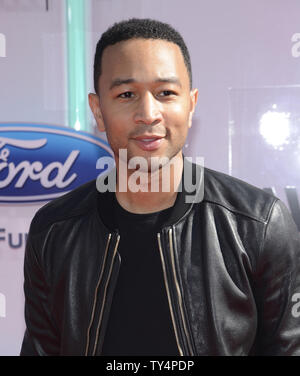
(148, 143)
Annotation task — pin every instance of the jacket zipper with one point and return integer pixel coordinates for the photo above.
(179, 296)
(96, 294)
(166, 285)
(104, 297)
(168, 294)
(179, 292)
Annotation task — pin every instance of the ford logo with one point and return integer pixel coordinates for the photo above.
(41, 162)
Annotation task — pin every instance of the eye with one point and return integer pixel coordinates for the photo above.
(166, 93)
(127, 94)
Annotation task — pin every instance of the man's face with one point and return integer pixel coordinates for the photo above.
(145, 104)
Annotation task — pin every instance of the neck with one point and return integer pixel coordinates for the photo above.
(149, 192)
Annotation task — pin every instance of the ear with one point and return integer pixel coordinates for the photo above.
(193, 99)
(94, 102)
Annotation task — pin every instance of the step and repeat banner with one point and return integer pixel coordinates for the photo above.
(37, 164)
(264, 131)
(246, 64)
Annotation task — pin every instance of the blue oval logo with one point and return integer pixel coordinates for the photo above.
(41, 162)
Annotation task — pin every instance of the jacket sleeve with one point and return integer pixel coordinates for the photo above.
(278, 285)
(40, 337)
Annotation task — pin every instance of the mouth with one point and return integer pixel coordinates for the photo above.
(148, 142)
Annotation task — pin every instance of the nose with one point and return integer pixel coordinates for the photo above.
(148, 110)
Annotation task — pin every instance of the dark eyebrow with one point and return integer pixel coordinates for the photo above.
(119, 81)
(171, 80)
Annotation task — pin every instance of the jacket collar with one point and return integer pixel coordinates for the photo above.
(190, 192)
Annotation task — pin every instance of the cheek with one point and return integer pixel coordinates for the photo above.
(113, 121)
(116, 130)
(178, 118)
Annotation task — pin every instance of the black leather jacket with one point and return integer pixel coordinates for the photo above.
(231, 266)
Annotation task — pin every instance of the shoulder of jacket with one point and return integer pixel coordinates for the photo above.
(237, 196)
(74, 203)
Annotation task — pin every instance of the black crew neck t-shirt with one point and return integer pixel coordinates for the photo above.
(139, 322)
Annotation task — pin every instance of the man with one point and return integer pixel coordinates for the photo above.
(143, 271)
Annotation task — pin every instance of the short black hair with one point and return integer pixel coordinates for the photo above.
(143, 28)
